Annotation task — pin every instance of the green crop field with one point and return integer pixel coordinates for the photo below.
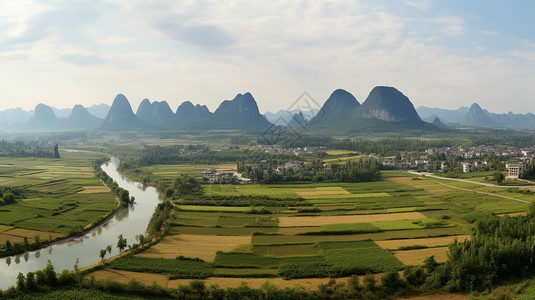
(52, 202)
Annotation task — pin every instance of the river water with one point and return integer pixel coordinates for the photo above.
(128, 222)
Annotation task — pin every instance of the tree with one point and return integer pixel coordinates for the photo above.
(368, 283)
(31, 284)
(102, 254)
(8, 245)
(56, 151)
(20, 282)
(186, 185)
(498, 177)
(121, 243)
(26, 242)
(124, 196)
(141, 239)
(9, 198)
(50, 274)
(37, 239)
(108, 248)
(430, 264)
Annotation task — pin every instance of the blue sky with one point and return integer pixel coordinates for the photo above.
(439, 53)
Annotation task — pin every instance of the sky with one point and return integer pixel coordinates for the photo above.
(443, 53)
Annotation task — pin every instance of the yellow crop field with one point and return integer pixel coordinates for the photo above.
(325, 220)
(204, 247)
(94, 189)
(417, 257)
(435, 241)
(12, 239)
(32, 233)
(5, 228)
(224, 282)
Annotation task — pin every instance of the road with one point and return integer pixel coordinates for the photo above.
(473, 182)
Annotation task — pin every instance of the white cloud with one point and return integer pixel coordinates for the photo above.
(451, 25)
(487, 32)
(424, 5)
(524, 54)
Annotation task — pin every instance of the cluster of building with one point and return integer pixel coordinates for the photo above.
(290, 165)
(189, 152)
(481, 151)
(299, 151)
(213, 176)
(473, 162)
(514, 170)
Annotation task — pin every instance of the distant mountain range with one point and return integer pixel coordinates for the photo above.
(17, 119)
(385, 109)
(475, 116)
(283, 117)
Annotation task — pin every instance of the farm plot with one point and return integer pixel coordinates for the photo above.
(43, 235)
(326, 220)
(320, 191)
(286, 250)
(204, 247)
(386, 235)
(225, 282)
(217, 191)
(417, 257)
(13, 239)
(426, 242)
(94, 189)
(372, 227)
(213, 208)
(334, 259)
(220, 230)
(5, 228)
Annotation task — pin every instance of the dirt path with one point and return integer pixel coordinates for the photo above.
(473, 182)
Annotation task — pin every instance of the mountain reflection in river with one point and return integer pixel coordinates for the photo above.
(128, 222)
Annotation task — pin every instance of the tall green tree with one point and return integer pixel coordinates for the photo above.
(121, 243)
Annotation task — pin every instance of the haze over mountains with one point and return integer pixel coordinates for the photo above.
(475, 116)
(385, 109)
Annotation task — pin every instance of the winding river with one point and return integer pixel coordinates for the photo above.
(128, 222)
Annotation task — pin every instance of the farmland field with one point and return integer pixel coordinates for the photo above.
(61, 197)
(344, 229)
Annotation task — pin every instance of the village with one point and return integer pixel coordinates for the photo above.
(473, 160)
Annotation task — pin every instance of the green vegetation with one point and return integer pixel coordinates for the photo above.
(50, 200)
(184, 186)
(174, 268)
(9, 194)
(500, 249)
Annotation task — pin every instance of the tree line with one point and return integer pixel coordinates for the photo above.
(123, 194)
(25, 149)
(361, 170)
